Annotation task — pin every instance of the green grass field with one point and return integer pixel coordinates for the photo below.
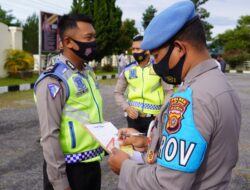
(24, 99)
(19, 99)
(8, 81)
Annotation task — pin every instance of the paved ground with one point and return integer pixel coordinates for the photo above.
(21, 157)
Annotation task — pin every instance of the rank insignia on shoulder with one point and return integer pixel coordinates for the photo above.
(53, 89)
(49, 69)
(70, 65)
(81, 87)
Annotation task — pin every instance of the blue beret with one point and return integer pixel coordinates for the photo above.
(167, 24)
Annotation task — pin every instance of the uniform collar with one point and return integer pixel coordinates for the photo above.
(199, 69)
(150, 61)
(83, 72)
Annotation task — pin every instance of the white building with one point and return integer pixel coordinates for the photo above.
(10, 38)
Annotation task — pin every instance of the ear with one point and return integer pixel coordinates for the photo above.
(181, 48)
(67, 42)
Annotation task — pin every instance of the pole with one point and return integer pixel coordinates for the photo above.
(40, 43)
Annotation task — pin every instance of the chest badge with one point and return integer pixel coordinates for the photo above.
(81, 87)
(132, 74)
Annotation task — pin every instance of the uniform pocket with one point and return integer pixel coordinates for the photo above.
(72, 134)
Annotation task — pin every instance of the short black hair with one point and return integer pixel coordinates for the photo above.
(193, 33)
(138, 37)
(214, 55)
(69, 22)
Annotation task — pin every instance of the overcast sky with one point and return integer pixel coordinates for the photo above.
(223, 13)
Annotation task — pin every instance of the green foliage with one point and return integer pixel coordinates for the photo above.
(7, 18)
(30, 34)
(77, 6)
(127, 32)
(107, 19)
(148, 15)
(18, 60)
(128, 28)
(203, 14)
(236, 42)
(244, 21)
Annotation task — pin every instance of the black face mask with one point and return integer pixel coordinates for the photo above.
(170, 76)
(87, 50)
(139, 57)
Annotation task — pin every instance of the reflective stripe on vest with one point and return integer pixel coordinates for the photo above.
(144, 106)
(78, 157)
(76, 114)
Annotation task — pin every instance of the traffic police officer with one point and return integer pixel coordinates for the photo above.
(67, 96)
(145, 94)
(195, 144)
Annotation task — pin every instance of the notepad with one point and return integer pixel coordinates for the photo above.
(106, 135)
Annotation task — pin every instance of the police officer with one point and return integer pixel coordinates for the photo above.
(145, 94)
(195, 144)
(67, 96)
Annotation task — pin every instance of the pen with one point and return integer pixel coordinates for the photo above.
(134, 134)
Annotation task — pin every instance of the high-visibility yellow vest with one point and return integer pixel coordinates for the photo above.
(83, 105)
(145, 91)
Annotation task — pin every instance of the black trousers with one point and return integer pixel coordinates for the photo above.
(141, 124)
(81, 176)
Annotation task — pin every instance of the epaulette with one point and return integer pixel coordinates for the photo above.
(51, 68)
(56, 72)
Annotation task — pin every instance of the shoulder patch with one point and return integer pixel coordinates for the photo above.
(53, 89)
(182, 146)
(176, 110)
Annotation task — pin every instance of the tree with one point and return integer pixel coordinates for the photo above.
(7, 18)
(236, 42)
(30, 34)
(77, 6)
(148, 15)
(127, 32)
(107, 21)
(244, 21)
(203, 13)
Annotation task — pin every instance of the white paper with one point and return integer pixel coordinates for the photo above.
(105, 133)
